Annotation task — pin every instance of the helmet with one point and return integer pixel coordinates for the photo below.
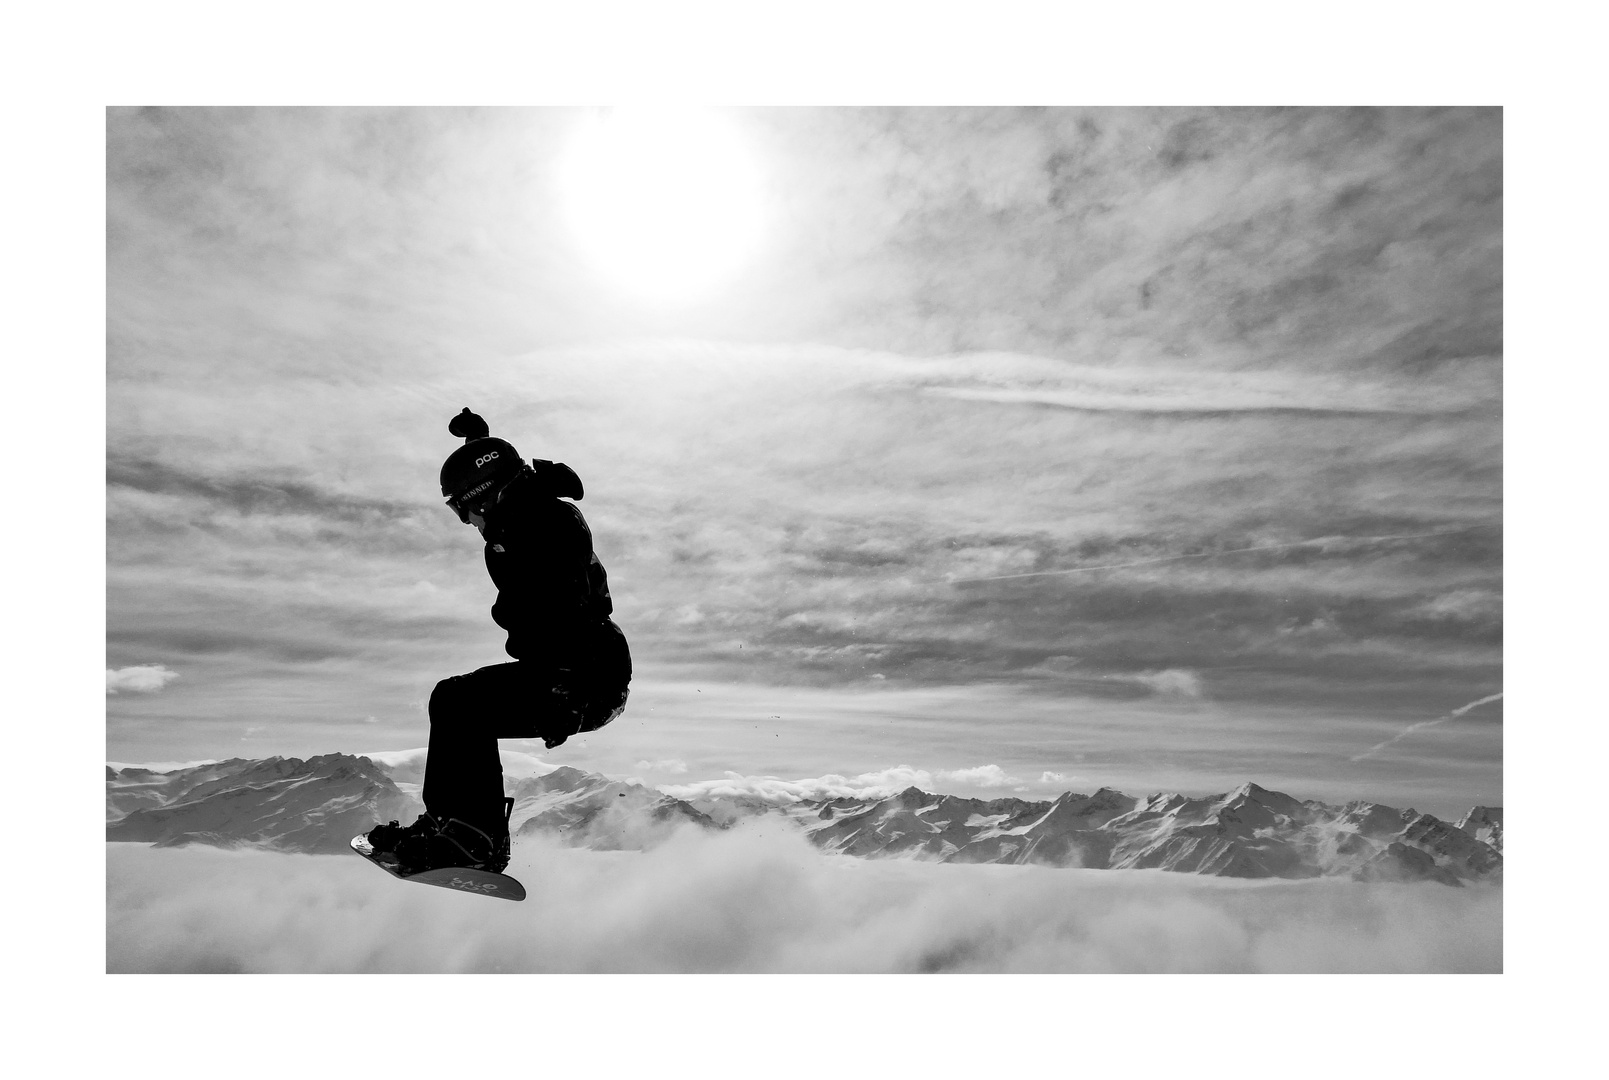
(474, 473)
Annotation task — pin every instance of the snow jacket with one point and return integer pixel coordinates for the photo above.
(552, 592)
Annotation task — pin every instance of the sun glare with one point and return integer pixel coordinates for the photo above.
(665, 203)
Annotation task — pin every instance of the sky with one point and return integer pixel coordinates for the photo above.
(1025, 450)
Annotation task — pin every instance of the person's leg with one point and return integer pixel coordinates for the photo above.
(468, 714)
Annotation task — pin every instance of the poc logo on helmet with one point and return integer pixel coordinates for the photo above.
(483, 460)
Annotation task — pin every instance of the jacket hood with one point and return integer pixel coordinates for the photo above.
(552, 478)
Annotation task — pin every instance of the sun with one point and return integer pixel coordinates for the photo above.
(666, 203)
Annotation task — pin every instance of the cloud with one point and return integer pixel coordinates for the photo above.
(139, 679)
(763, 900)
(1037, 380)
(670, 765)
(408, 766)
(1475, 606)
(774, 789)
(1173, 682)
(879, 784)
(159, 766)
(1423, 724)
(985, 776)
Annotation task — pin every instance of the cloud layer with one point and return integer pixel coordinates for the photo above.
(760, 900)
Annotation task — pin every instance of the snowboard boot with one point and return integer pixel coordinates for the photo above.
(384, 838)
(433, 842)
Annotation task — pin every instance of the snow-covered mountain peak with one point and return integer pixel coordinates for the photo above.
(1481, 816)
(1275, 801)
(1485, 823)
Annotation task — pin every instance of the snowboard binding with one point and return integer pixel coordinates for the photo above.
(394, 849)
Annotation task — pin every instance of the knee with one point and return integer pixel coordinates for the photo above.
(442, 698)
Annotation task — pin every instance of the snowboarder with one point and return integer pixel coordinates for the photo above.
(571, 665)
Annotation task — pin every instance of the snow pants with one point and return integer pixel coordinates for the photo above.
(524, 699)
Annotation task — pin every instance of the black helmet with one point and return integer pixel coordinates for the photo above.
(474, 473)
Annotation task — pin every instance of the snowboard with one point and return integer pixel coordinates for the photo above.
(447, 877)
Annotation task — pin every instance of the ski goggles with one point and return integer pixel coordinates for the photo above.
(474, 501)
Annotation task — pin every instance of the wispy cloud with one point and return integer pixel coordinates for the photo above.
(1423, 724)
(1324, 543)
(1157, 388)
(1174, 681)
(1236, 237)
(139, 679)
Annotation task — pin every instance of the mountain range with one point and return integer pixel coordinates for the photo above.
(317, 805)
(284, 804)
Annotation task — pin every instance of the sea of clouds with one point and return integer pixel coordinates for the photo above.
(760, 899)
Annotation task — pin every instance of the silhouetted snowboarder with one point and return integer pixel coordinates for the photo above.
(571, 665)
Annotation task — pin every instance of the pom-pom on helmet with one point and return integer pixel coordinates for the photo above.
(473, 474)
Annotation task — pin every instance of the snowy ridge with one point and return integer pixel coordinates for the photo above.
(1485, 823)
(286, 804)
(588, 810)
(1250, 832)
